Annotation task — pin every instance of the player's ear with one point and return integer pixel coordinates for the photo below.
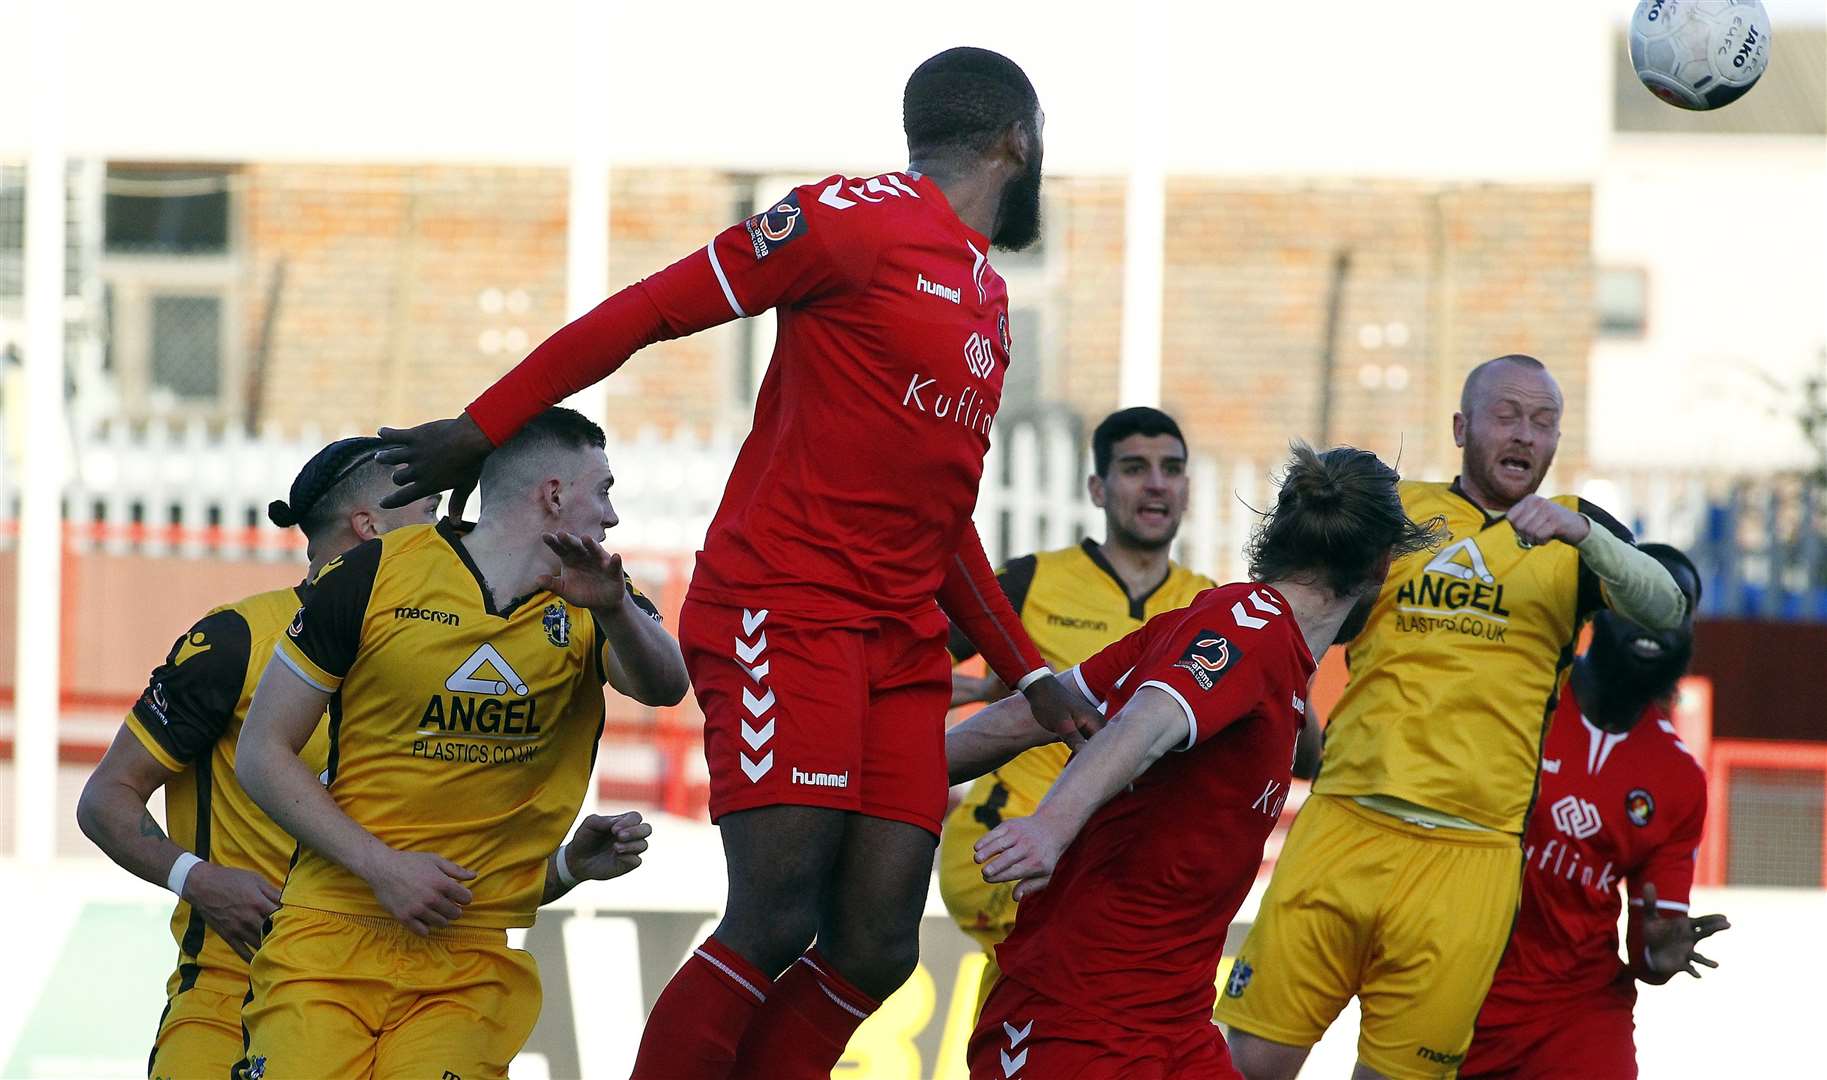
(1459, 425)
(1020, 145)
(361, 523)
(552, 495)
(1094, 486)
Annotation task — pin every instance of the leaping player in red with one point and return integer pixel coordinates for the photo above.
(1148, 842)
(1622, 804)
(810, 630)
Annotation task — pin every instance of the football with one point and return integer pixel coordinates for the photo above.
(1699, 54)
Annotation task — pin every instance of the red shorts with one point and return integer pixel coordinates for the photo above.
(1584, 1038)
(1025, 1034)
(850, 717)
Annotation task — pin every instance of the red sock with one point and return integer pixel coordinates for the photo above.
(801, 1032)
(699, 1019)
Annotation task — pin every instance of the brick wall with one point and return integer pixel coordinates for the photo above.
(1446, 276)
(405, 290)
(402, 292)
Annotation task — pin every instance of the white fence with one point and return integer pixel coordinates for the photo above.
(187, 491)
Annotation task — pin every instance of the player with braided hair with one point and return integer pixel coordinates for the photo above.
(223, 856)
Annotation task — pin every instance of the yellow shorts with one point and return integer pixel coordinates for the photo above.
(200, 1029)
(1411, 920)
(986, 912)
(350, 996)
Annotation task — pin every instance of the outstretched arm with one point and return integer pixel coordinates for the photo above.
(974, 600)
(732, 277)
(1027, 849)
(993, 735)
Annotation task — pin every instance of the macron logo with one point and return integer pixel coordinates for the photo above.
(933, 288)
(821, 779)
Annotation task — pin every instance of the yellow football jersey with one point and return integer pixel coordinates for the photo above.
(1456, 674)
(455, 728)
(189, 717)
(1073, 604)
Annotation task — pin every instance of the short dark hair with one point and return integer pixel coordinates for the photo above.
(964, 98)
(1477, 374)
(1669, 553)
(1337, 515)
(557, 428)
(323, 488)
(1120, 425)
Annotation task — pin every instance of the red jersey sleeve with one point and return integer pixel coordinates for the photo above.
(975, 602)
(783, 256)
(1101, 674)
(1216, 678)
(1670, 868)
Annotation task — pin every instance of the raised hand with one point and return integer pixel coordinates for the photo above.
(1062, 712)
(424, 891)
(1538, 520)
(606, 847)
(234, 903)
(441, 455)
(1024, 850)
(1668, 941)
(589, 576)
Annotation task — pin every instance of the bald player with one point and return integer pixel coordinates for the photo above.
(1402, 873)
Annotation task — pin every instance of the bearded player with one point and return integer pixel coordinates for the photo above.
(224, 858)
(1073, 602)
(1150, 839)
(1400, 877)
(1621, 810)
(810, 629)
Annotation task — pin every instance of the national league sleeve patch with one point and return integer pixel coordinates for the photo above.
(1208, 657)
(776, 226)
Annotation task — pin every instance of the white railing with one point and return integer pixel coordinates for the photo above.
(183, 490)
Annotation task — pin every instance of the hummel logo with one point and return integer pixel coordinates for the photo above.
(1551, 765)
(933, 288)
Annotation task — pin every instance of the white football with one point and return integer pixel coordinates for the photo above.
(1699, 54)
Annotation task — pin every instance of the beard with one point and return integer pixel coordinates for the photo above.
(1018, 216)
(1631, 676)
(1129, 538)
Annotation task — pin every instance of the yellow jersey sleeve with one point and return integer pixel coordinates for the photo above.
(325, 635)
(190, 699)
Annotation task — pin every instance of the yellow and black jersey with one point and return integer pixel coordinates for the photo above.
(1073, 604)
(455, 727)
(189, 718)
(1456, 674)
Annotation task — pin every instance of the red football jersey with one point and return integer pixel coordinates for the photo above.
(851, 497)
(1611, 809)
(1132, 925)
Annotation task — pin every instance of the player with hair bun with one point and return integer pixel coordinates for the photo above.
(224, 857)
(1134, 864)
